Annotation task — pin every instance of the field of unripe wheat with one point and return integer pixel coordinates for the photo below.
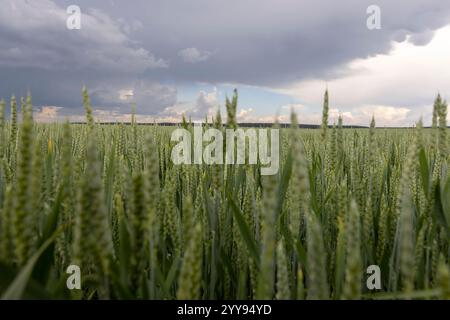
(108, 201)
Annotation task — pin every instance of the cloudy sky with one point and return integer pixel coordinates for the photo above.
(177, 56)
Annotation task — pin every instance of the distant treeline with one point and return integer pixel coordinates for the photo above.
(243, 125)
(251, 125)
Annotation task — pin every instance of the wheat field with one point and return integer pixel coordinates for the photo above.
(108, 198)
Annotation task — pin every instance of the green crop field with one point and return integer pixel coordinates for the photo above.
(108, 198)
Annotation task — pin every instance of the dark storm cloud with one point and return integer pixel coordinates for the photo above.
(142, 44)
(268, 42)
(38, 53)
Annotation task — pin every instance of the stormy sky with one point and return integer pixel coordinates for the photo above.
(177, 56)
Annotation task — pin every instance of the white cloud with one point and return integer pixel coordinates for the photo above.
(47, 114)
(150, 97)
(249, 116)
(384, 115)
(398, 87)
(194, 55)
(126, 94)
(206, 104)
(50, 114)
(177, 110)
(243, 115)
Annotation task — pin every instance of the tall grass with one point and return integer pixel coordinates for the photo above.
(109, 199)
